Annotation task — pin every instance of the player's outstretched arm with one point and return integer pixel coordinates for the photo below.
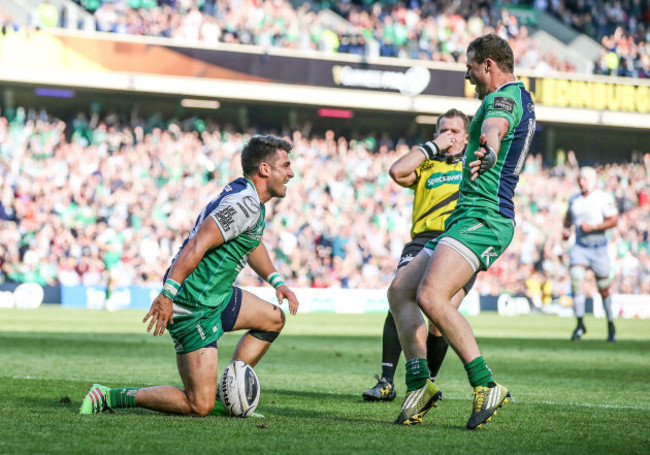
(161, 311)
(260, 262)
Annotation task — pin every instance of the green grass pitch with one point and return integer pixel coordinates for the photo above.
(586, 397)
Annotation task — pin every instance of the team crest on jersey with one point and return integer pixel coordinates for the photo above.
(248, 204)
(488, 254)
(503, 103)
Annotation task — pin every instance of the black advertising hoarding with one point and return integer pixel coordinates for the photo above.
(109, 54)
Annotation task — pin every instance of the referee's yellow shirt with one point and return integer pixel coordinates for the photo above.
(436, 194)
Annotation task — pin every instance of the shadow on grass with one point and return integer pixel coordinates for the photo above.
(56, 404)
(90, 341)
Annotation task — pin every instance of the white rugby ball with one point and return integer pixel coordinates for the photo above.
(239, 389)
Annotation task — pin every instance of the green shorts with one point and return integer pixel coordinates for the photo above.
(485, 232)
(196, 328)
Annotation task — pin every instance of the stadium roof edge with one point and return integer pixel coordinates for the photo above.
(319, 55)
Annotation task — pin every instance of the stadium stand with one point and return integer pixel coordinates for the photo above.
(603, 37)
(93, 193)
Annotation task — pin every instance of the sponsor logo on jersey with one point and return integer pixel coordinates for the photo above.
(244, 211)
(502, 103)
(225, 216)
(251, 204)
(488, 254)
(472, 229)
(439, 179)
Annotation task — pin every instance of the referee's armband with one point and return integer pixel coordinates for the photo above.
(430, 149)
(275, 280)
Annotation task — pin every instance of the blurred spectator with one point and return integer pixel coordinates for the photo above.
(47, 15)
(423, 29)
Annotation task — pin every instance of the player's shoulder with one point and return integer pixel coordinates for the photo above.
(239, 194)
(505, 100)
(240, 187)
(512, 90)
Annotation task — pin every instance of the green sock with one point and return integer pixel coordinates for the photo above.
(478, 372)
(417, 373)
(124, 397)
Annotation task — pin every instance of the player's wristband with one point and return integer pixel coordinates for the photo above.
(430, 150)
(489, 160)
(275, 280)
(170, 288)
(167, 294)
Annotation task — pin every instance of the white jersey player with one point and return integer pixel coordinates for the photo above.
(592, 212)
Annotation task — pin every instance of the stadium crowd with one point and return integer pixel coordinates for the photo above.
(97, 194)
(431, 30)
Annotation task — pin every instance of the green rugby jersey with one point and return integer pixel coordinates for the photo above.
(495, 189)
(239, 214)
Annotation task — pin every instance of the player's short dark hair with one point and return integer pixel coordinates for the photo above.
(494, 47)
(451, 113)
(261, 149)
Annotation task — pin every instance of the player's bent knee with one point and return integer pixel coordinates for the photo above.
(279, 321)
(201, 409)
(424, 299)
(274, 322)
(390, 294)
(395, 294)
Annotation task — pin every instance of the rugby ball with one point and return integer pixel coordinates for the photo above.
(239, 389)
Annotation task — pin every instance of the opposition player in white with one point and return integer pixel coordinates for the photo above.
(592, 212)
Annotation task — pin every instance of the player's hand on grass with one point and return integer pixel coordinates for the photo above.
(486, 159)
(283, 292)
(161, 313)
